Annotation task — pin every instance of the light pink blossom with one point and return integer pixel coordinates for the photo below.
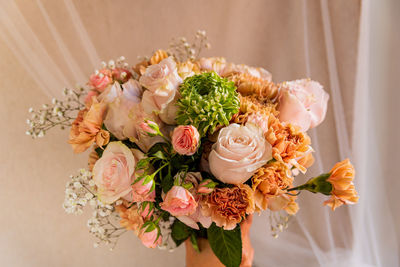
(185, 139)
(179, 201)
(113, 172)
(303, 103)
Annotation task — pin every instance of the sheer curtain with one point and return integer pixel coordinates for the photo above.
(342, 44)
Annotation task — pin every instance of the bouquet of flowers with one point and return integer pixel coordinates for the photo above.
(183, 147)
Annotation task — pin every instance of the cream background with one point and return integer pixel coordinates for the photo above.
(35, 231)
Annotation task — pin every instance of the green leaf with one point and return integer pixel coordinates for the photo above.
(167, 183)
(180, 232)
(143, 163)
(99, 151)
(227, 245)
(193, 240)
(159, 155)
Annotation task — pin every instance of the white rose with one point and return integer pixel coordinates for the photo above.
(238, 153)
(162, 81)
(118, 121)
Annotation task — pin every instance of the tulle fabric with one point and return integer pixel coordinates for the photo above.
(360, 235)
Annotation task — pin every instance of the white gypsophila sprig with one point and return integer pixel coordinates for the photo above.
(59, 113)
(104, 224)
(182, 50)
(279, 221)
(167, 241)
(78, 192)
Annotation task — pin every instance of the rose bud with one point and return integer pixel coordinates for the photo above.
(150, 127)
(150, 235)
(147, 210)
(142, 192)
(206, 187)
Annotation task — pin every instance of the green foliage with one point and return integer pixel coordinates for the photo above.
(207, 100)
(180, 232)
(226, 245)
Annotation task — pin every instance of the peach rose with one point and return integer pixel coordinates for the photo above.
(303, 103)
(150, 239)
(162, 81)
(114, 171)
(101, 80)
(179, 202)
(238, 153)
(185, 139)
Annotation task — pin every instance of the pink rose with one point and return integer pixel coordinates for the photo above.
(101, 80)
(185, 139)
(303, 103)
(238, 153)
(191, 220)
(150, 239)
(114, 171)
(196, 217)
(179, 201)
(121, 75)
(162, 81)
(141, 192)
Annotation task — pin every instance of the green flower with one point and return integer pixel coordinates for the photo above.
(207, 100)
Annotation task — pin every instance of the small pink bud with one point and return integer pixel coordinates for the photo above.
(149, 127)
(147, 212)
(150, 239)
(206, 187)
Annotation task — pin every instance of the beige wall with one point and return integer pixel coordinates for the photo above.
(34, 230)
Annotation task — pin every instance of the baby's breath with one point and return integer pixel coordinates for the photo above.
(182, 50)
(103, 224)
(59, 113)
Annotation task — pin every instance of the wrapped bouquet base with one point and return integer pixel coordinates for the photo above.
(205, 257)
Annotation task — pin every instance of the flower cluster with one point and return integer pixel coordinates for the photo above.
(183, 147)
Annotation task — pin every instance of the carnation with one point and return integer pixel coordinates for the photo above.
(228, 206)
